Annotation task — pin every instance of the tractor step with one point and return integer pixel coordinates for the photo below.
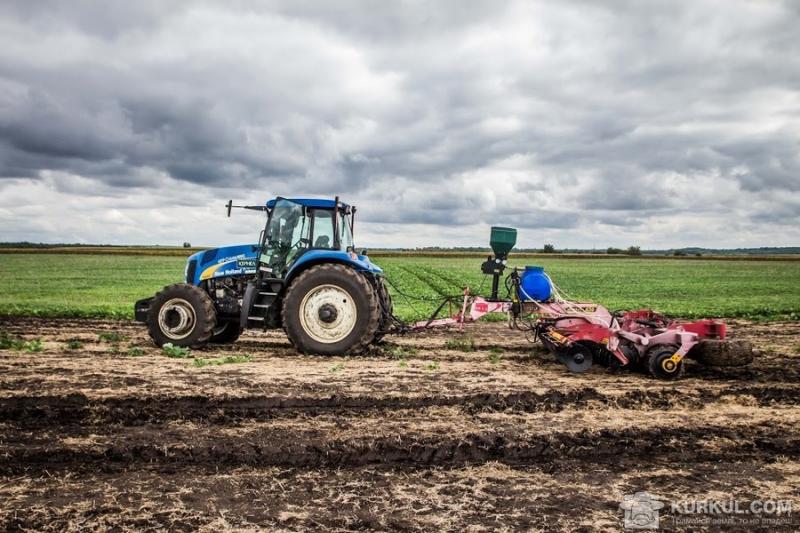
(259, 297)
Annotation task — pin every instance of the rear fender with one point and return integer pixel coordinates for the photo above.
(360, 263)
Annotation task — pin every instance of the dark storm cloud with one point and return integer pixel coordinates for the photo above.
(553, 115)
(376, 20)
(539, 219)
(74, 121)
(103, 20)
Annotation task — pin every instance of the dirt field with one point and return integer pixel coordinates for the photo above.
(439, 439)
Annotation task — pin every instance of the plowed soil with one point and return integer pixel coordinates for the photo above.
(411, 436)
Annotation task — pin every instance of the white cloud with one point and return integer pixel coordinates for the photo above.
(583, 123)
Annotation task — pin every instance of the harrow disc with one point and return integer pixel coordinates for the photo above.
(578, 359)
(722, 353)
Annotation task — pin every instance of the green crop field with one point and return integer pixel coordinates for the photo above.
(105, 285)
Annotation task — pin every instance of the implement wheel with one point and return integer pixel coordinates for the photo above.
(661, 365)
(331, 309)
(182, 315)
(722, 353)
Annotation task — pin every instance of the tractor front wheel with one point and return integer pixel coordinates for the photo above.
(331, 309)
(182, 315)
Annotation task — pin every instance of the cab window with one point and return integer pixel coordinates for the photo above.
(345, 232)
(323, 229)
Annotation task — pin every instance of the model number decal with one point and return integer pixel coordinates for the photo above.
(246, 263)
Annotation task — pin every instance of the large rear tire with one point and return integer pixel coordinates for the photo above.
(330, 309)
(182, 315)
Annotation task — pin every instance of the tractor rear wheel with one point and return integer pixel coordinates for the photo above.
(331, 309)
(226, 333)
(661, 365)
(182, 315)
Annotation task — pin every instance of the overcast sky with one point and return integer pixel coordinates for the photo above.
(660, 124)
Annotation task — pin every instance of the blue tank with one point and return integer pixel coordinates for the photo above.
(534, 284)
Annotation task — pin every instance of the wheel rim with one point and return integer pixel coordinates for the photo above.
(328, 314)
(668, 365)
(176, 318)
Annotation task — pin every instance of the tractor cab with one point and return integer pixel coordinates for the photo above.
(303, 236)
(297, 226)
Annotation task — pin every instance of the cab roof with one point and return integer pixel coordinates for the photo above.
(314, 203)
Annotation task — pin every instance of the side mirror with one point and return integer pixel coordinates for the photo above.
(364, 251)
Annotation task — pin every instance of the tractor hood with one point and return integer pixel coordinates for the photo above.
(222, 262)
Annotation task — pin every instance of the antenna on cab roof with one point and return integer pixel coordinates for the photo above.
(230, 206)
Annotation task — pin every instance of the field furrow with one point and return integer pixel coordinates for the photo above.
(421, 438)
(99, 429)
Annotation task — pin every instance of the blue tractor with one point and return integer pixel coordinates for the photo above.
(303, 275)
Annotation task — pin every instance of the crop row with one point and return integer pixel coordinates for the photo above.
(103, 285)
